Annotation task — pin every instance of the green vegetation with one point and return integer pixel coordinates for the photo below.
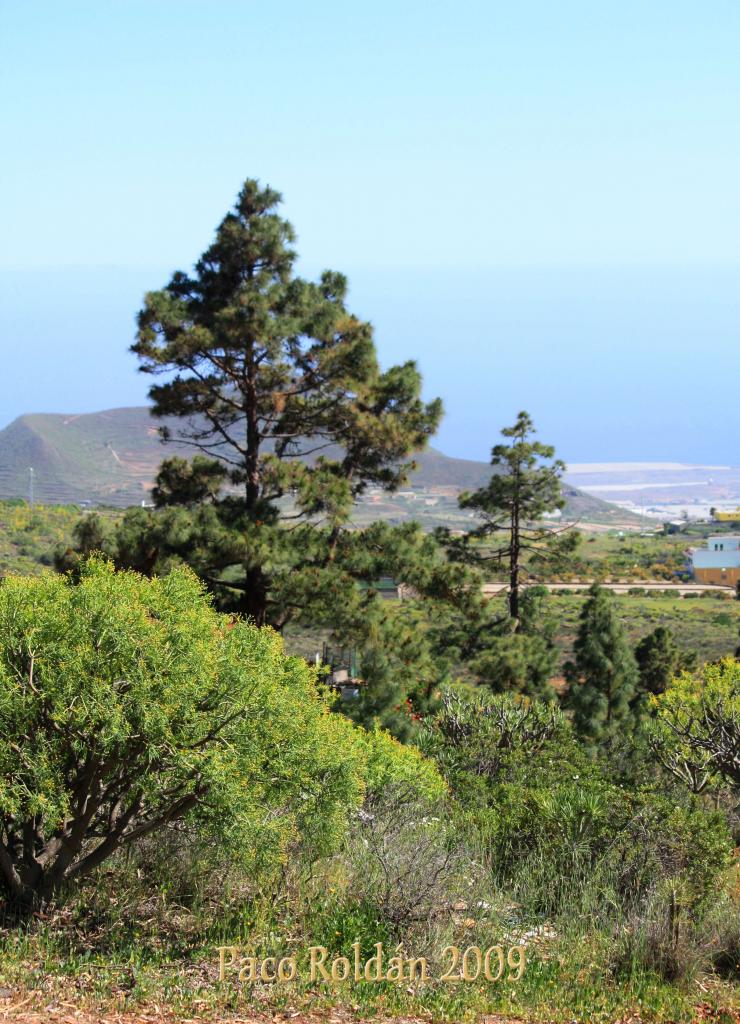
(696, 734)
(29, 535)
(700, 625)
(267, 371)
(648, 555)
(127, 705)
(619, 890)
(514, 652)
(174, 779)
(704, 629)
(659, 659)
(301, 829)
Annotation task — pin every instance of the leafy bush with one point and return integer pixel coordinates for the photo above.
(474, 731)
(552, 822)
(696, 735)
(391, 764)
(128, 704)
(505, 759)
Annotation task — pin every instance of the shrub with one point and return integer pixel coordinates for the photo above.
(659, 937)
(658, 840)
(479, 734)
(128, 704)
(551, 820)
(513, 766)
(696, 735)
(408, 860)
(391, 764)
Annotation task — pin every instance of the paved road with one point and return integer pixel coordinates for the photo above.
(622, 588)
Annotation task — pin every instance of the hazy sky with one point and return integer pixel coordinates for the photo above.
(539, 202)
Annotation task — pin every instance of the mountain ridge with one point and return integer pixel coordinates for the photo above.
(112, 456)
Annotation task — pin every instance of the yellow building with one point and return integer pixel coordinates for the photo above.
(728, 517)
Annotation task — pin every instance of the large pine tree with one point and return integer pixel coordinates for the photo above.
(276, 385)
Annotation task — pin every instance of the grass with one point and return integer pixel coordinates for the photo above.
(707, 625)
(115, 947)
(710, 626)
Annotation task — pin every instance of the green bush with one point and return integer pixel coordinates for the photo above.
(128, 704)
(552, 821)
(696, 732)
(392, 764)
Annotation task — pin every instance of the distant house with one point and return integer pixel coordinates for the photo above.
(385, 587)
(718, 562)
(343, 676)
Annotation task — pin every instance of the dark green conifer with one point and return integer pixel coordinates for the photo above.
(660, 660)
(603, 676)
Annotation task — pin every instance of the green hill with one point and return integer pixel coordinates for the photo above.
(109, 456)
(112, 458)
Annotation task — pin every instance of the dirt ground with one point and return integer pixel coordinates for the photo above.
(23, 1007)
(27, 1011)
(66, 1013)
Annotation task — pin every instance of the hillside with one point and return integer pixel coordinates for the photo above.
(111, 457)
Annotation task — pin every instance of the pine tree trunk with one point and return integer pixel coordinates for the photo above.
(254, 602)
(514, 594)
(514, 553)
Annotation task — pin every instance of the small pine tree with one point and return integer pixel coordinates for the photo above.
(518, 663)
(659, 659)
(604, 675)
(524, 661)
(525, 486)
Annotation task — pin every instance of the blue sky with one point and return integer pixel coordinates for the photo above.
(537, 201)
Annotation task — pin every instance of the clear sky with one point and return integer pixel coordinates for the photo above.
(537, 201)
